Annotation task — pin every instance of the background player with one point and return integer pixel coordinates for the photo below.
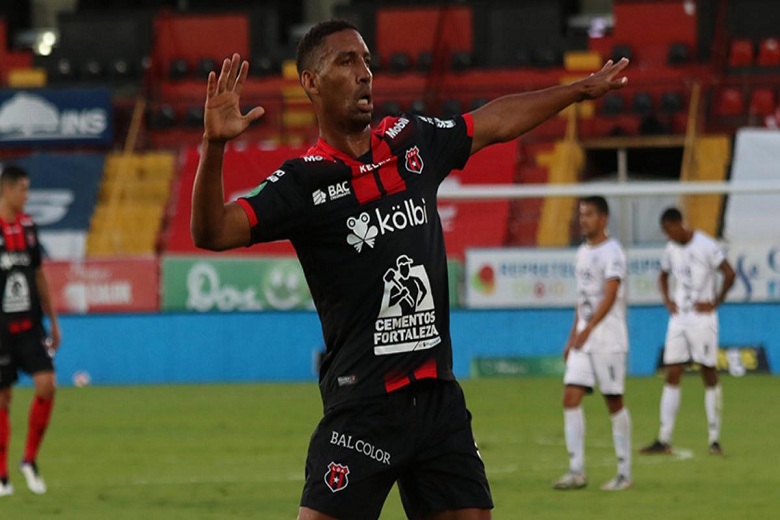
(694, 259)
(597, 347)
(393, 411)
(24, 344)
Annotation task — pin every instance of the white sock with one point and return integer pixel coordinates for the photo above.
(670, 403)
(574, 430)
(712, 405)
(621, 437)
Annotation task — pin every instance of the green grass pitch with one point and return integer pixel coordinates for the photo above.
(237, 452)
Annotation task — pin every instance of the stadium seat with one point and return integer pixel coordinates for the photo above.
(729, 102)
(63, 70)
(461, 61)
(417, 107)
(389, 108)
(178, 69)
(264, 66)
(478, 102)
(613, 104)
(121, 69)
(671, 102)
(204, 66)
(622, 50)
(642, 103)
(523, 58)
(762, 101)
(768, 53)
(741, 53)
(545, 57)
(424, 61)
(451, 108)
(161, 118)
(193, 117)
(679, 54)
(91, 70)
(399, 62)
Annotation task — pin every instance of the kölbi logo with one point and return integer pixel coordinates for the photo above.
(401, 216)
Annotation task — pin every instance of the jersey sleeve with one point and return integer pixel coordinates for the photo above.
(448, 141)
(666, 260)
(275, 208)
(615, 264)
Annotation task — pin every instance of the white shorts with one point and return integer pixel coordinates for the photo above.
(588, 368)
(692, 337)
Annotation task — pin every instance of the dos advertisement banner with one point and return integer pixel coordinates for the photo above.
(207, 283)
(103, 286)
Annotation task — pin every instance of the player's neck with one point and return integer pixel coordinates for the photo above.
(7, 213)
(354, 144)
(597, 238)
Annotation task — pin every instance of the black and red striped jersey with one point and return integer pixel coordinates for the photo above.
(368, 236)
(20, 257)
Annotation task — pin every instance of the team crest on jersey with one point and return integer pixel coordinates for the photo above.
(336, 477)
(414, 162)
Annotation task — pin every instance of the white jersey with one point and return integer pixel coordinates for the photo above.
(596, 265)
(695, 268)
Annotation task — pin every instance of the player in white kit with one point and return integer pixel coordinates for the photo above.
(694, 259)
(597, 347)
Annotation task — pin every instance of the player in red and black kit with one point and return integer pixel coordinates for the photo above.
(360, 209)
(24, 344)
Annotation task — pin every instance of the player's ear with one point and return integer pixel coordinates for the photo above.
(310, 82)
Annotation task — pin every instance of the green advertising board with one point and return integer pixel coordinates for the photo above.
(207, 283)
(517, 366)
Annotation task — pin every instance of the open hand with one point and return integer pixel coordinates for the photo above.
(222, 117)
(601, 82)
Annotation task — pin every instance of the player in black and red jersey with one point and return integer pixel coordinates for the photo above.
(24, 344)
(360, 209)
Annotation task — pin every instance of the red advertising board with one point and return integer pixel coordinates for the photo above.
(102, 286)
(466, 224)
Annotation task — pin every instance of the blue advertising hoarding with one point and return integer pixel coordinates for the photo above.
(55, 117)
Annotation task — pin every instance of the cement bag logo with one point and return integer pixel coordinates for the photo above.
(56, 117)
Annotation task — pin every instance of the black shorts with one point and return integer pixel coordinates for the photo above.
(25, 351)
(419, 436)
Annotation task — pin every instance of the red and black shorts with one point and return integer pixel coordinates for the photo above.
(419, 436)
(26, 351)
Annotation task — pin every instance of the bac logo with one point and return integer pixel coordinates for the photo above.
(414, 162)
(336, 477)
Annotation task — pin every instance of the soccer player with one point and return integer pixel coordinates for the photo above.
(24, 344)
(694, 259)
(597, 347)
(360, 209)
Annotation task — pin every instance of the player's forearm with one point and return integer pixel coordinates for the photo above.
(207, 218)
(509, 117)
(663, 287)
(44, 295)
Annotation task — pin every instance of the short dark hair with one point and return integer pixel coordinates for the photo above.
(12, 174)
(598, 202)
(671, 215)
(312, 40)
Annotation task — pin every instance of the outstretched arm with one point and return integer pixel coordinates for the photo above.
(508, 117)
(213, 224)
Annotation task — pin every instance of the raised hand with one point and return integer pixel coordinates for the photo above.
(222, 118)
(608, 78)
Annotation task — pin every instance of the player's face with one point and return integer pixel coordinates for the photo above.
(592, 223)
(345, 79)
(674, 231)
(16, 194)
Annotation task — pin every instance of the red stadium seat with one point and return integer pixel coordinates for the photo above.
(729, 102)
(769, 53)
(741, 53)
(762, 101)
